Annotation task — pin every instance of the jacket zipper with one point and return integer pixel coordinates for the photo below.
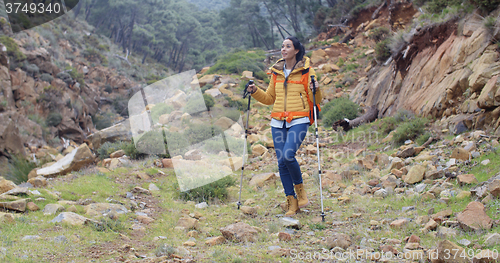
(303, 104)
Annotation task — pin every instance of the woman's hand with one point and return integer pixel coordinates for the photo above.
(252, 88)
(316, 84)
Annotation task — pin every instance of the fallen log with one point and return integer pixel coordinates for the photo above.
(370, 115)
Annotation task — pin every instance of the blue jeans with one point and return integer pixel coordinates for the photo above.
(286, 143)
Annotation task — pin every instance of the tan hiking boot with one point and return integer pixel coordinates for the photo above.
(293, 205)
(301, 195)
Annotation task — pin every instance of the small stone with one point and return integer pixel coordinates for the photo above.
(474, 217)
(189, 244)
(290, 222)
(248, 210)
(492, 239)
(464, 242)
(460, 154)
(381, 193)
(32, 206)
(284, 236)
(486, 162)
(153, 188)
(30, 237)
(219, 240)
(467, 179)
(338, 240)
(201, 205)
(52, 209)
(399, 223)
(445, 232)
(431, 225)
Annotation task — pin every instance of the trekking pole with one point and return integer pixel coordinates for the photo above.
(317, 147)
(245, 94)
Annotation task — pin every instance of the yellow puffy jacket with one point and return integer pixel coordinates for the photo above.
(290, 97)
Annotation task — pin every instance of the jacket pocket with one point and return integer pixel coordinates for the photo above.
(303, 104)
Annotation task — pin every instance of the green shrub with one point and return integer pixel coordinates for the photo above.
(66, 77)
(209, 192)
(209, 101)
(46, 77)
(106, 224)
(239, 61)
(232, 114)
(195, 105)
(206, 87)
(12, 48)
(239, 104)
(486, 5)
(382, 50)
(53, 119)
(338, 109)
(103, 120)
(437, 6)
(200, 132)
(379, 33)
(31, 69)
(108, 148)
(160, 109)
(421, 139)
(164, 250)
(260, 75)
(340, 62)
(18, 169)
(409, 130)
(73, 72)
(153, 142)
(120, 105)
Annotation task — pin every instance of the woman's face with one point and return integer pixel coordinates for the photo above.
(288, 51)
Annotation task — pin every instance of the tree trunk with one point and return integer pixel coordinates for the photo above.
(77, 8)
(368, 117)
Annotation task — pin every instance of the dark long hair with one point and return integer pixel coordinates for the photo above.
(297, 45)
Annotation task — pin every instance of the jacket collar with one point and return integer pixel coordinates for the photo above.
(279, 66)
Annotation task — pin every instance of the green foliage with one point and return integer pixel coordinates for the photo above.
(486, 5)
(200, 132)
(206, 87)
(409, 130)
(153, 142)
(120, 105)
(437, 6)
(94, 55)
(340, 62)
(164, 250)
(64, 76)
(379, 33)
(160, 109)
(18, 169)
(31, 69)
(108, 148)
(490, 23)
(382, 50)
(106, 224)
(239, 104)
(209, 192)
(53, 119)
(421, 139)
(239, 61)
(46, 77)
(338, 109)
(12, 48)
(209, 101)
(103, 120)
(91, 39)
(73, 72)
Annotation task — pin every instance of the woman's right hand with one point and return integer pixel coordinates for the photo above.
(252, 88)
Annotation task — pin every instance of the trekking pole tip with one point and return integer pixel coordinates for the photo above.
(323, 217)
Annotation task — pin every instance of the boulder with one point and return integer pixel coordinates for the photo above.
(318, 56)
(219, 240)
(240, 232)
(474, 217)
(103, 209)
(467, 179)
(262, 179)
(187, 223)
(415, 174)
(224, 123)
(338, 240)
(74, 161)
(486, 256)
(38, 181)
(18, 205)
(258, 150)
(71, 218)
(10, 139)
(117, 132)
(460, 154)
(6, 185)
(494, 188)
(52, 209)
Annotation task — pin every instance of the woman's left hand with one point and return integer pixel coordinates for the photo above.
(316, 84)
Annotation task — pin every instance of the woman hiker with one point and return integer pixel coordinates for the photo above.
(290, 92)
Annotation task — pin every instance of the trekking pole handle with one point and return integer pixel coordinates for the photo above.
(314, 85)
(246, 92)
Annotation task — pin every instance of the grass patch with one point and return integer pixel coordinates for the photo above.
(210, 192)
(239, 61)
(97, 186)
(18, 169)
(485, 172)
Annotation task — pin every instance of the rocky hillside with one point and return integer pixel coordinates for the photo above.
(435, 200)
